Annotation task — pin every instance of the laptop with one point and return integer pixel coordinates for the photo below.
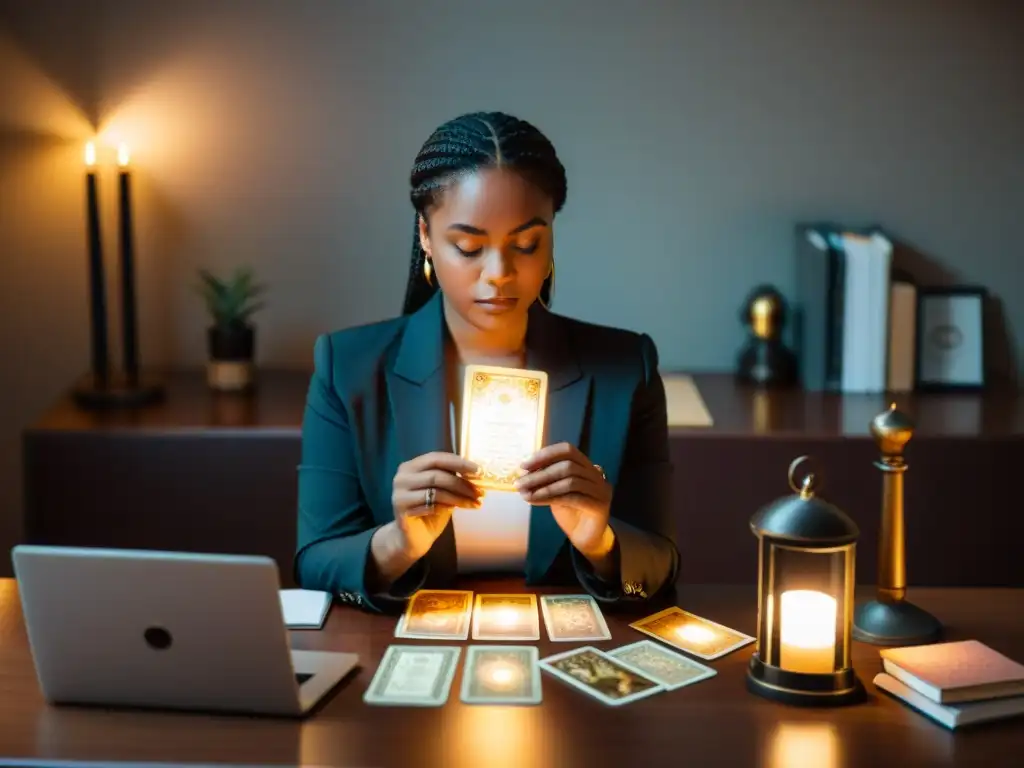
(166, 630)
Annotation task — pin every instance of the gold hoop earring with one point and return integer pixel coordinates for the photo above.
(428, 271)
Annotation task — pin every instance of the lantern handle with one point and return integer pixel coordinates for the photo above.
(807, 487)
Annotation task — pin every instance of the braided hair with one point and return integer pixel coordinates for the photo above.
(467, 144)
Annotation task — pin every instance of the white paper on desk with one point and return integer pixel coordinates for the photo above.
(305, 608)
(686, 407)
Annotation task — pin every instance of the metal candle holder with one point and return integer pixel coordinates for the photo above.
(890, 619)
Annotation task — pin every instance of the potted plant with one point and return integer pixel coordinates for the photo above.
(231, 339)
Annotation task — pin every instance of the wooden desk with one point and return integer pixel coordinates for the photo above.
(211, 473)
(715, 722)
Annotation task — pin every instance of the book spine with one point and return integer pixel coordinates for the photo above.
(812, 264)
(837, 310)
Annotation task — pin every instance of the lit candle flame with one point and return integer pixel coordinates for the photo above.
(90, 154)
(123, 155)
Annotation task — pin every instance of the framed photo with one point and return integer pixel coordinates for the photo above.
(951, 339)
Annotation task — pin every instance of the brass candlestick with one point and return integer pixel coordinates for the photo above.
(889, 619)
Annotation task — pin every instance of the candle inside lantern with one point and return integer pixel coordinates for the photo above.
(807, 632)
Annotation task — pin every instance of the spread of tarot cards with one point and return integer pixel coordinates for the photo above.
(448, 614)
(501, 670)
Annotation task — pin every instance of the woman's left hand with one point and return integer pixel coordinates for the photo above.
(576, 490)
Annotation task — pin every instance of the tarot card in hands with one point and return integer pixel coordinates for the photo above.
(506, 617)
(700, 637)
(573, 618)
(501, 674)
(503, 412)
(607, 679)
(671, 669)
(414, 676)
(437, 614)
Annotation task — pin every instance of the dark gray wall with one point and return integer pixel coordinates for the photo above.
(695, 133)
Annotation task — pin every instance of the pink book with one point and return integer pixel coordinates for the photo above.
(966, 670)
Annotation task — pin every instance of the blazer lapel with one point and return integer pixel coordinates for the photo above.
(549, 349)
(419, 403)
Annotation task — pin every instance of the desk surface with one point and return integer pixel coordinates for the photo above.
(738, 411)
(715, 722)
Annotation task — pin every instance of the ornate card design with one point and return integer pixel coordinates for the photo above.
(503, 412)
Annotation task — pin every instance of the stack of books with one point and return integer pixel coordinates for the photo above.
(956, 684)
(857, 314)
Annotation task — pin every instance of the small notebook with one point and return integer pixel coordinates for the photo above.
(305, 608)
(951, 715)
(955, 672)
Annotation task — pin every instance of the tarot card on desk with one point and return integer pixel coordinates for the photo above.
(414, 676)
(671, 669)
(599, 675)
(503, 413)
(573, 618)
(501, 674)
(506, 617)
(690, 633)
(437, 614)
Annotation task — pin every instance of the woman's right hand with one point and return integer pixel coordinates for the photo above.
(425, 492)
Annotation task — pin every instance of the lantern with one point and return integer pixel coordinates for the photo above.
(806, 554)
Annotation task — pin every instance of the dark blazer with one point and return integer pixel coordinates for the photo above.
(377, 398)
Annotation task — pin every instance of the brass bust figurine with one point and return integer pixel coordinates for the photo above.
(765, 361)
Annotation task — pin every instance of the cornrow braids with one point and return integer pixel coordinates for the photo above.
(465, 145)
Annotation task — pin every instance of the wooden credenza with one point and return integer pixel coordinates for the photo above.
(216, 473)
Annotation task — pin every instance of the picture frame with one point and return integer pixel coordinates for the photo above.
(950, 344)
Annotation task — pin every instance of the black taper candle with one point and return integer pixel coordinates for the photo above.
(97, 278)
(128, 319)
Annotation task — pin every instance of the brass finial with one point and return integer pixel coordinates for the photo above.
(892, 430)
(805, 487)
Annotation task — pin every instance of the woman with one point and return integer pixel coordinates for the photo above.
(385, 506)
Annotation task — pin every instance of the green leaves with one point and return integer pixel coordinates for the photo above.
(230, 302)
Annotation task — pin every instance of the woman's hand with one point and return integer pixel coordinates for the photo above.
(577, 492)
(425, 492)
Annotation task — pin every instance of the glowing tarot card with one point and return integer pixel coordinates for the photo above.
(503, 412)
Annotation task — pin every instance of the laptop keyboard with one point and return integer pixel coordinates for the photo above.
(301, 677)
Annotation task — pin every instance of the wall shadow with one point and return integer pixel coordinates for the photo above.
(61, 39)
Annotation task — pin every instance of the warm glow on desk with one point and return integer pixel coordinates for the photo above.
(123, 155)
(695, 633)
(90, 154)
(503, 737)
(807, 631)
(800, 745)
